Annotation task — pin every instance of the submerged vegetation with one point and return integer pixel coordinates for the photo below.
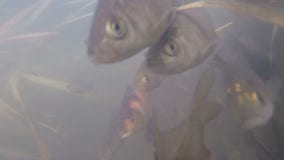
(20, 27)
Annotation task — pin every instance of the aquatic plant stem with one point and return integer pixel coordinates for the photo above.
(42, 146)
(266, 13)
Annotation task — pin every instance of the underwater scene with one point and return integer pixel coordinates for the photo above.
(141, 79)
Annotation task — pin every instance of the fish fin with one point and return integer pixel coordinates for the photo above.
(210, 111)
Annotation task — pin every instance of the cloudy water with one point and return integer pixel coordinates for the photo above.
(38, 40)
(57, 104)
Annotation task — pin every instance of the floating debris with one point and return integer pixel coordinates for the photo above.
(220, 29)
(75, 19)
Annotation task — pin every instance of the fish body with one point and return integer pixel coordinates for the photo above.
(122, 28)
(190, 134)
(146, 80)
(193, 146)
(247, 94)
(130, 107)
(123, 122)
(187, 42)
(204, 111)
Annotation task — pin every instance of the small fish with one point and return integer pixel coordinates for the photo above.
(122, 28)
(247, 94)
(191, 132)
(146, 80)
(187, 42)
(132, 104)
(123, 122)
